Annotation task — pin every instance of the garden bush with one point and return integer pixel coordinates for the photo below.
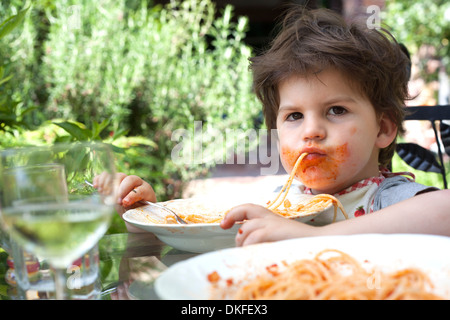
(11, 117)
(148, 70)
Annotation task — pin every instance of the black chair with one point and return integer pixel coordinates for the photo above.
(420, 158)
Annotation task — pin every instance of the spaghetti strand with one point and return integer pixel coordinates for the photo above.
(317, 203)
(285, 189)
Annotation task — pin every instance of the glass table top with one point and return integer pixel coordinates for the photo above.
(128, 264)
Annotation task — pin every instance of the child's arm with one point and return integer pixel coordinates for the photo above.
(426, 213)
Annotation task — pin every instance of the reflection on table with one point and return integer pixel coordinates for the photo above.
(128, 264)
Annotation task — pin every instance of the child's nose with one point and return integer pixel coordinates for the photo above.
(313, 129)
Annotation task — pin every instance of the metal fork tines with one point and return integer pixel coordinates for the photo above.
(177, 217)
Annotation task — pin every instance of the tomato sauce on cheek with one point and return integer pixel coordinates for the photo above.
(289, 157)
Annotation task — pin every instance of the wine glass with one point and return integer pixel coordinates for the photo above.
(47, 206)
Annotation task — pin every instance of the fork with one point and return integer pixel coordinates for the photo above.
(177, 217)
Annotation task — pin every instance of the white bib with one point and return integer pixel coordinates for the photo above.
(357, 200)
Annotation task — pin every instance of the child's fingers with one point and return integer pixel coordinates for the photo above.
(240, 213)
(126, 196)
(251, 231)
(133, 189)
(234, 215)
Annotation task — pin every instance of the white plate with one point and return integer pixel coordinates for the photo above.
(188, 279)
(198, 237)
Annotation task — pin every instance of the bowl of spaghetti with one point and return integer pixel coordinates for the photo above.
(203, 215)
(202, 233)
(366, 267)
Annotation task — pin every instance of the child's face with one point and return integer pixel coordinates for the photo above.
(328, 118)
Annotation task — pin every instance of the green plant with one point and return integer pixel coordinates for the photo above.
(149, 70)
(11, 115)
(198, 71)
(417, 23)
(79, 132)
(152, 70)
(172, 61)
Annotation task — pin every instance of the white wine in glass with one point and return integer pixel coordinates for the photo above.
(48, 208)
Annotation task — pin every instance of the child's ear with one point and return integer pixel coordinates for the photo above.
(387, 132)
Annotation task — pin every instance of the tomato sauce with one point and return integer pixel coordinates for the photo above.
(317, 167)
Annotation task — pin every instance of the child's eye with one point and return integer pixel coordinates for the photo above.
(337, 111)
(294, 116)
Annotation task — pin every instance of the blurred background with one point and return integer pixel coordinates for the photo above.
(131, 72)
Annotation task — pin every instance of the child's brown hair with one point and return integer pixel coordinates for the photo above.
(312, 40)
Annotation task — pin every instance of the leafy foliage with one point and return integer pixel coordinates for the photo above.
(128, 67)
(79, 132)
(11, 117)
(11, 23)
(417, 23)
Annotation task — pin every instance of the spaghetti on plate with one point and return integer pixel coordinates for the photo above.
(330, 275)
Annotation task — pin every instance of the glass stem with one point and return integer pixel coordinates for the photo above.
(20, 266)
(60, 284)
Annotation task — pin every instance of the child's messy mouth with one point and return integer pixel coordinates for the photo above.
(321, 164)
(314, 157)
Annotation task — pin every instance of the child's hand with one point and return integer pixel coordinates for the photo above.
(262, 225)
(133, 189)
